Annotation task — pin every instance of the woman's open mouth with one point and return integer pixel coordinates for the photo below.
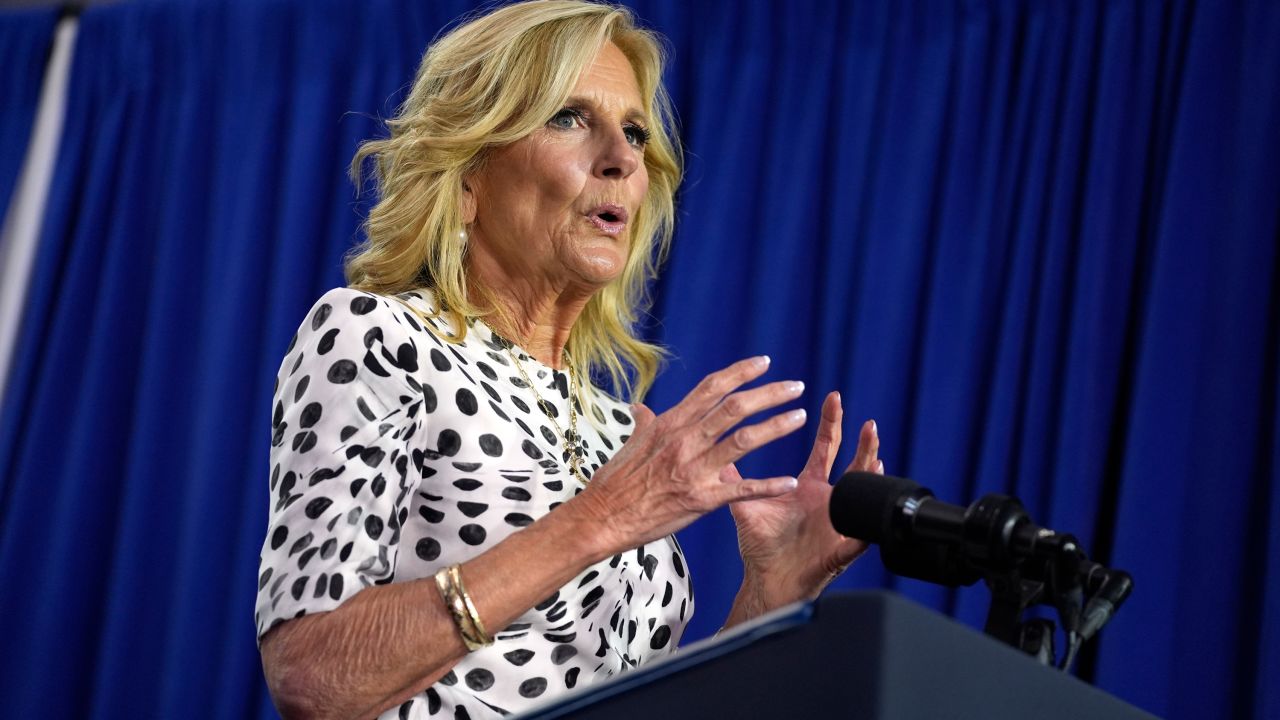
(609, 218)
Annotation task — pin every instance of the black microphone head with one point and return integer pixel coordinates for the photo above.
(863, 504)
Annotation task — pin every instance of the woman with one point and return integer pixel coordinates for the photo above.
(462, 522)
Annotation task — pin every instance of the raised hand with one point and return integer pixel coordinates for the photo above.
(789, 549)
(669, 472)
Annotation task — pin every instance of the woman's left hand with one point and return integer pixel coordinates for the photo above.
(789, 549)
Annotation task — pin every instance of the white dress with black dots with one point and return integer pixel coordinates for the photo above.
(395, 453)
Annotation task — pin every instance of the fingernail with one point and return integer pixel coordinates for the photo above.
(874, 430)
(796, 417)
(881, 464)
(792, 483)
(795, 387)
(763, 361)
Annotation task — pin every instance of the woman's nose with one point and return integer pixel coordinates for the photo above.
(617, 158)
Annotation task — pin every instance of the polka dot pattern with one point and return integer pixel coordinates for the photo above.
(395, 453)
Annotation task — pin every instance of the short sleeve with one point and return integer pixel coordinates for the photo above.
(346, 423)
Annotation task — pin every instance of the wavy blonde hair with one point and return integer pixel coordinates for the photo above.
(487, 83)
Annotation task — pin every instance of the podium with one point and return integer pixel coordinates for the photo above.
(863, 655)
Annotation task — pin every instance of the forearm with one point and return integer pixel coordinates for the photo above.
(750, 602)
(389, 642)
(759, 594)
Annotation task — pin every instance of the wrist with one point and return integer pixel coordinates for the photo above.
(773, 590)
(748, 604)
(586, 529)
(759, 594)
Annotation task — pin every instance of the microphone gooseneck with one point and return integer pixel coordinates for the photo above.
(994, 539)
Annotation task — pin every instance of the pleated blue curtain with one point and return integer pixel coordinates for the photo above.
(26, 39)
(1036, 241)
(200, 200)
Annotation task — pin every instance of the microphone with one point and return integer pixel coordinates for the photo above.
(936, 538)
(1115, 588)
(994, 539)
(1110, 588)
(869, 506)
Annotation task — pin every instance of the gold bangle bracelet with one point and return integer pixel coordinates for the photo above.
(481, 636)
(460, 608)
(457, 608)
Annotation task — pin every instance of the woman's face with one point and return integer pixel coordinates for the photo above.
(557, 207)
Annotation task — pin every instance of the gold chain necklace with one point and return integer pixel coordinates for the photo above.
(572, 442)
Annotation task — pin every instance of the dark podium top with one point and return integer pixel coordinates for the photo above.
(865, 655)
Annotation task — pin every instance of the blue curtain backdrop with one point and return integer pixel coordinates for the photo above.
(1036, 241)
(26, 39)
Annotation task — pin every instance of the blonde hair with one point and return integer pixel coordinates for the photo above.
(487, 83)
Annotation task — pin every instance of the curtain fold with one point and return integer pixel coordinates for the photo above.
(1037, 242)
(27, 42)
(26, 38)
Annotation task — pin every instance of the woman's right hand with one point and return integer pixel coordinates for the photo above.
(667, 474)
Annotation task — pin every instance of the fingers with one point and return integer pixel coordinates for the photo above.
(734, 408)
(745, 439)
(755, 489)
(642, 415)
(729, 474)
(866, 458)
(714, 387)
(846, 552)
(827, 443)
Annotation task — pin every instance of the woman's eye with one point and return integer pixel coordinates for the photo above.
(565, 119)
(636, 135)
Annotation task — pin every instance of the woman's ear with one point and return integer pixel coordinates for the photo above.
(468, 202)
